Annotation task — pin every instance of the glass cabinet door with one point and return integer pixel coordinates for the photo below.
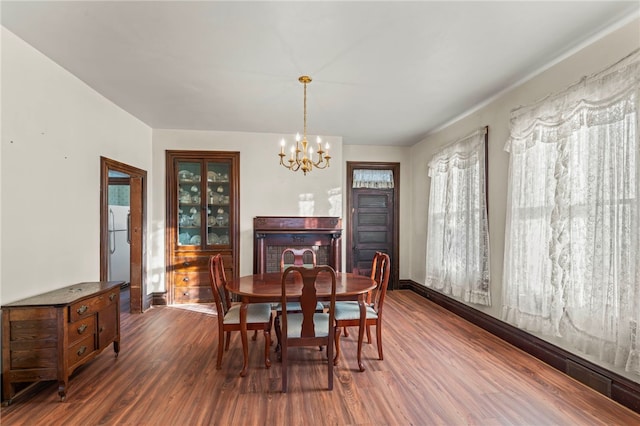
(218, 204)
(189, 203)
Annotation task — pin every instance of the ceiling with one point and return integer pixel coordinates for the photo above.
(384, 73)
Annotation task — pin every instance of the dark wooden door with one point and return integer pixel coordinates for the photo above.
(372, 221)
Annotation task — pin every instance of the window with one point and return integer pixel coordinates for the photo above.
(457, 229)
(572, 243)
(373, 178)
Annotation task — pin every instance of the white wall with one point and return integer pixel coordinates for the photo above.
(586, 61)
(388, 154)
(266, 188)
(54, 130)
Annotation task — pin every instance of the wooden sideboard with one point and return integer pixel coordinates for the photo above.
(48, 336)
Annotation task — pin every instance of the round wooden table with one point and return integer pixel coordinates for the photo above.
(267, 288)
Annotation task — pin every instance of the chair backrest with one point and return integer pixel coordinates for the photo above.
(297, 257)
(309, 296)
(218, 285)
(380, 274)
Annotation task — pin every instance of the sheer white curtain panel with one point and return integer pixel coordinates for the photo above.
(457, 260)
(571, 266)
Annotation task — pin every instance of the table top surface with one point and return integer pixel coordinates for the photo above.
(269, 285)
(66, 295)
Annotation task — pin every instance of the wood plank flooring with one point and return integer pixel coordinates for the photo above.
(438, 370)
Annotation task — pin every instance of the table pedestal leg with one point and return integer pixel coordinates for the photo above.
(243, 336)
(363, 317)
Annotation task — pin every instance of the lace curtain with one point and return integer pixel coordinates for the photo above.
(371, 178)
(457, 228)
(572, 257)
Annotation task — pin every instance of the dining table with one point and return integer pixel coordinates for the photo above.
(267, 288)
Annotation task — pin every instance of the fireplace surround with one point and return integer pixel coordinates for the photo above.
(272, 234)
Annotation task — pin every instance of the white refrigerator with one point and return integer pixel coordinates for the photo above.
(119, 243)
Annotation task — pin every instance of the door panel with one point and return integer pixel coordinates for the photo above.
(372, 219)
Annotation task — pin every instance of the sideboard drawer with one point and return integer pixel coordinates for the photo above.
(81, 328)
(81, 349)
(93, 305)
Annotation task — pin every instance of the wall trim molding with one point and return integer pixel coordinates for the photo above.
(620, 389)
(159, 298)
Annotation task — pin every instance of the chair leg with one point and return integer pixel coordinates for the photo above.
(368, 334)
(255, 335)
(346, 332)
(330, 364)
(220, 349)
(337, 340)
(267, 347)
(276, 324)
(283, 357)
(379, 340)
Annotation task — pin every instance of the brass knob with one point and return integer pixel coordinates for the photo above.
(112, 296)
(185, 279)
(82, 350)
(82, 328)
(82, 309)
(187, 263)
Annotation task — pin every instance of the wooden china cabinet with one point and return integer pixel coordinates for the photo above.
(202, 220)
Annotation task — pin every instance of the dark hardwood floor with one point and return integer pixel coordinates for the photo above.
(438, 370)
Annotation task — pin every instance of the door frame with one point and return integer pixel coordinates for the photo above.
(138, 297)
(394, 276)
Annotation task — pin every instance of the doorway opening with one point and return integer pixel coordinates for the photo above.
(122, 229)
(374, 219)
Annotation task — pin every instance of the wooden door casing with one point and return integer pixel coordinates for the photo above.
(139, 300)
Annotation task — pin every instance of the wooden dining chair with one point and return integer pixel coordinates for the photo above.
(348, 313)
(308, 327)
(303, 257)
(297, 257)
(259, 315)
(374, 274)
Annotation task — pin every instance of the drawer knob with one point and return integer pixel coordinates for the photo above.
(185, 279)
(187, 263)
(101, 329)
(82, 328)
(82, 350)
(112, 296)
(82, 309)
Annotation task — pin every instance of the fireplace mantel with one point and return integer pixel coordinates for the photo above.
(321, 232)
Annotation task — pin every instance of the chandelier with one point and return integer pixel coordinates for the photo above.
(302, 153)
